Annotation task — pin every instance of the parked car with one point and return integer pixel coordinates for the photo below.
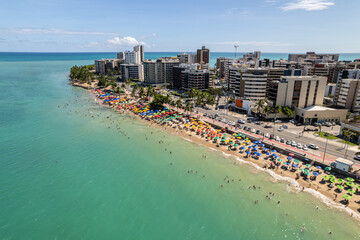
(257, 131)
(282, 140)
(293, 144)
(280, 129)
(299, 146)
(245, 128)
(241, 121)
(267, 126)
(288, 142)
(216, 115)
(305, 148)
(357, 157)
(292, 121)
(313, 146)
(267, 135)
(277, 138)
(205, 114)
(278, 121)
(285, 126)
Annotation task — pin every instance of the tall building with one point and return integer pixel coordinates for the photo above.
(203, 55)
(348, 93)
(132, 71)
(100, 67)
(120, 55)
(188, 76)
(298, 91)
(187, 58)
(140, 49)
(160, 71)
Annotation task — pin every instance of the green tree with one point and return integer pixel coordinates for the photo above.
(260, 107)
(178, 103)
(158, 102)
(141, 91)
(135, 88)
(288, 112)
(188, 107)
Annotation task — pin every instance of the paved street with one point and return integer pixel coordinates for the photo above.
(333, 148)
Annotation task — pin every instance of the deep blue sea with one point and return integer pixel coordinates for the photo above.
(71, 169)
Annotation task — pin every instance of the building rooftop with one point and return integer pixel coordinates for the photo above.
(318, 108)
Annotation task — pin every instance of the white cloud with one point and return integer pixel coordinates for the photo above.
(154, 34)
(309, 5)
(125, 41)
(50, 31)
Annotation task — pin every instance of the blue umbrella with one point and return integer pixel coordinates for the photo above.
(306, 159)
(247, 152)
(250, 147)
(243, 148)
(287, 164)
(315, 173)
(254, 148)
(267, 153)
(257, 153)
(295, 166)
(262, 145)
(274, 155)
(289, 158)
(265, 149)
(318, 167)
(273, 150)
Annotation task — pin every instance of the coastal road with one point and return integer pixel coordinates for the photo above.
(331, 149)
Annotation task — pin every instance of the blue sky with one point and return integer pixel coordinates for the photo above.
(168, 25)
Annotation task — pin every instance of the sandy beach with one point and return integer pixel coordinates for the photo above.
(331, 196)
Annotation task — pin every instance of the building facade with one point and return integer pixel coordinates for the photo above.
(203, 55)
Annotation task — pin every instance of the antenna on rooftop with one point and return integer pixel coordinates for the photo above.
(236, 47)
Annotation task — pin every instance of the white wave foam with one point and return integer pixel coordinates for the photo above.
(188, 140)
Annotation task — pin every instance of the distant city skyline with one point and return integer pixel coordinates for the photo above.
(273, 26)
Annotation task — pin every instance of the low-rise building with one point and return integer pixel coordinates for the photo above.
(320, 114)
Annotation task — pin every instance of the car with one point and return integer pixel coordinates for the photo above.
(327, 124)
(205, 114)
(282, 140)
(233, 124)
(288, 142)
(230, 122)
(293, 144)
(267, 126)
(313, 146)
(257, 131)
(285, 126)
(298, 124)
(267, 135)
(245, 127)
(219, 119)
(272, 136)
(216, 115)
(357, 157)
(277, 138)
(278, 121)
(305, 148)
(241, 121)
(292, 121)
(299, 146)
(258, 123)
(280, 129)
(333, 123)
(252, 130)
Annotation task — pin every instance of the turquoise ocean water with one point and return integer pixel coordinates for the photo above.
(70, 169)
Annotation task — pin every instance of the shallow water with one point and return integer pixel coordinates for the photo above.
(67, 175)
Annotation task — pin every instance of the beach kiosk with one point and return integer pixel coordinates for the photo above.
(343, 164)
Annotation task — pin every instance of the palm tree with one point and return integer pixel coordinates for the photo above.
(260, 107)
(141, 91)
(178, 103)
(188, 107)
(135, 88)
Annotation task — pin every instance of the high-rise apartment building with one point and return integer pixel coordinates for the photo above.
(188, 76)
(187, 58)
(314, 56)
(160, 71)
(203, 55)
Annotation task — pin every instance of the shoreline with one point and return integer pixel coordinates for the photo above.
(296, 185)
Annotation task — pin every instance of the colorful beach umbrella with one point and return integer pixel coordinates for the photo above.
(350, 184)
(296, 161)
(279, 160)
(340, 180)
(319, 167)
(295, 166)
(350, 179)
(328, 169)
(326, 177)
(347, 197)
(315, 174)
(289, 158)
(340, 186)
(308, 165)
(351, 190)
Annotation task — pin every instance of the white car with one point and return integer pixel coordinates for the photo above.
(299, 146)
(305, 148)
(267, 135)
(277, 139)
(313, 146)
(253, 130)
(241, 121)
(280, 129)
(293, 144)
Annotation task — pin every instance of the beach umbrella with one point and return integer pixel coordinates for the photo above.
(287, 164)
(307, 173)
(318, 167)
(291, 154)
(273, 150)
(315, 173)
(331, 176)
(340, 186)
(347, 197)
(301, 170)
(358, 187)
(236, 145)
(289, 158)
(350, 179)
(351, 190)
(296, 161)
(258, 154)
(267, 153)
(326, 177)
(262, 145)
(274, 156)
(295, 166)
(279, 160)
(216, 138)
(308, 165)
(247, 152)
(332, 180)
(265, 149)
(340, 180)
(306, 159)
(223, 140)
(350, 184)
(328, 169)
(243, 148)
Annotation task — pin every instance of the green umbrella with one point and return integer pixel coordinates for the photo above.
(325, 177)
(358, 187)
(340, 180)
(296, 161)
(350, 184)
(332, 180)
(351, 191)
(279, 160)
(236, 145)
(331, 176)
(307, 173)
(308, 165)
(328, 169)
(223, 140)
(340, 186)
(216, 138)
(347, 197)
(301, 170)
(350, 179)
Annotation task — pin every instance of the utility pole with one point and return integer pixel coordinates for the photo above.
(327, 139)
